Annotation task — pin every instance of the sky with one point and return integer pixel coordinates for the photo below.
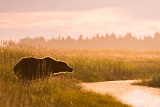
(53, 18)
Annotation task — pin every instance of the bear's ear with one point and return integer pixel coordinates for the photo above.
(59, 61)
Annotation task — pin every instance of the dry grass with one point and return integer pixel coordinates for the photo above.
(59, 91)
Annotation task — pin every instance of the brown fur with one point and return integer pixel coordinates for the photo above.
(32, 68)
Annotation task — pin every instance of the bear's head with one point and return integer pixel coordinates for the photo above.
(63, 67)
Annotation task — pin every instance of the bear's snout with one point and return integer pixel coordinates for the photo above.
(70, 70)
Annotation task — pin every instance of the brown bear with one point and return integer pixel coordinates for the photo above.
(32, 68)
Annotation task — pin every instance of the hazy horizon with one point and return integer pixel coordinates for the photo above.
(51, 18)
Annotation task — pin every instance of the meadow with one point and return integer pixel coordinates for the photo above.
(62, 90)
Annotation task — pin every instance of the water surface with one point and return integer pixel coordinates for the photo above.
(137, 96)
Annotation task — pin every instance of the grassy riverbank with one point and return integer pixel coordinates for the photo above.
(153, 82)
(59, 91)
(56, 92)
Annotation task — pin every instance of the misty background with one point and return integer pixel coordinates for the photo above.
(107, 41)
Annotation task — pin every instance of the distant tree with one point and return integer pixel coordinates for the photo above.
(102, 37)
(128, 36)
(68, 38)
(157, 35)
(127, 41)
(59, 37)
(147, 38)
(63, 39)
(93, 38)
(26, 40)
(156, 40)
(39, 39)
(86, 39)
(98, 37)
(80, 38)
(112, 37)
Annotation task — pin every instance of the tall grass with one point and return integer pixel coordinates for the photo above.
(59, 91)
(152, 82)
(96, 65)
(62, 91)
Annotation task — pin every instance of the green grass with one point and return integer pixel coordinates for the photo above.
(60, 91)
(153, 82)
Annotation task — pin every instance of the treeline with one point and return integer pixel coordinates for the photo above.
(108, 41)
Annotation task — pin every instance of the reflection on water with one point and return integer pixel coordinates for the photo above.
(137, 96)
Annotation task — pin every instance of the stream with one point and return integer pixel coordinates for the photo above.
(134, 95)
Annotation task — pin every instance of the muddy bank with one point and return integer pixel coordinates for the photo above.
(137, 96)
